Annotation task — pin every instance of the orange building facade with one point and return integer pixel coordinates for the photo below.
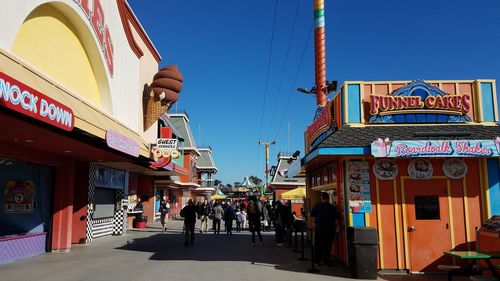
(417, 160)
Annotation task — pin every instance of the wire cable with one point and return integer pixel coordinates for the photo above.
(290, 39)
(267, 80)
(295, 79)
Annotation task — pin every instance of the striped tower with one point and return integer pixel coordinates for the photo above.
(320, 52)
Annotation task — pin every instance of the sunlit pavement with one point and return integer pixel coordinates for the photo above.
(153, 255)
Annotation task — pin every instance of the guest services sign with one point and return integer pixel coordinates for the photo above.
(436, 148)
(28, 101)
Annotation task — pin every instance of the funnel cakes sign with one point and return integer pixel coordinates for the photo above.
(420, 102)
(436, 148)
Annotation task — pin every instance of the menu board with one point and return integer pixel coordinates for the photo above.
(358, 187)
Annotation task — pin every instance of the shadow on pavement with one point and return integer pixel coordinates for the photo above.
(237, 247)
(222, 247)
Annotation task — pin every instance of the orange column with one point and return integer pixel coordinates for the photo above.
(63, 207)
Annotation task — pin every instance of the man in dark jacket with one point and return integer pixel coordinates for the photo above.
(325, 215)
(204, 214)
(189, 215)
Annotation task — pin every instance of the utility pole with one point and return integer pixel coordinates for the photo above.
(267, 163)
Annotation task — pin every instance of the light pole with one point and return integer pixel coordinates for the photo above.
(267, 163)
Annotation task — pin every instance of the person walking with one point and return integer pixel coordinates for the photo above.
(217, 213)
(205, 212)
(254, 221)
(265, 218)
(244, 219)
(324, 215)
(280, 223)
(239, 219)
(189, 215)
(163, 214)
(228, 219)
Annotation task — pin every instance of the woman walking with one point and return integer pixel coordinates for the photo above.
(164, 209)
(254, 221)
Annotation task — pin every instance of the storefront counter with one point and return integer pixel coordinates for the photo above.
(14, 247)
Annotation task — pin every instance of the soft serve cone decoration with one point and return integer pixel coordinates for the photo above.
(162, 93)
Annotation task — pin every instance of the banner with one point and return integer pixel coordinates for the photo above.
(436, 148)
(358, 187)
(19, 196)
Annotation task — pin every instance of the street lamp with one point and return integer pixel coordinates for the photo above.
(330, 88)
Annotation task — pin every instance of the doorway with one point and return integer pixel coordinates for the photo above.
(429, 227)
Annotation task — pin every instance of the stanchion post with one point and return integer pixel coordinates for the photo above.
(296, 250)
(312, 269)
(302, 258)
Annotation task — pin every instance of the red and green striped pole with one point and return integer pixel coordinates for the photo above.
(320, 52)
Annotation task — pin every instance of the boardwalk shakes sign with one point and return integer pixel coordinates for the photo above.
(436, 148)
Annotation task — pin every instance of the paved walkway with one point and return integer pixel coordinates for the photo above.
(153, 255)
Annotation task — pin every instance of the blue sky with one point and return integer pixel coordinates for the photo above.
(222, 49)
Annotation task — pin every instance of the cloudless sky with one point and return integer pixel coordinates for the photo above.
(222, 49)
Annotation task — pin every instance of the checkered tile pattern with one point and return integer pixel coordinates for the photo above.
(120, 218)
(90, 213)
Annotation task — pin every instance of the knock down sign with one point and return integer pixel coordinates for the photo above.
(28, 101)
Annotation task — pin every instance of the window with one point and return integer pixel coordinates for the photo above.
(324, 174)
(427, 207)
(317, 179)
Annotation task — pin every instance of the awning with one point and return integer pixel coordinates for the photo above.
(218, 197)
(87, 117)
(298, 193)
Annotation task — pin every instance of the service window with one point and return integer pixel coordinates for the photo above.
(104, 202)
(427, 208)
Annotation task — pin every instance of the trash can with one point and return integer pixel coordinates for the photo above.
(362, 246)
(140, 221)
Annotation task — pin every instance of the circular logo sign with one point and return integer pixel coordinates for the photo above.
(454, 168)
(385, 169)
(420, 169)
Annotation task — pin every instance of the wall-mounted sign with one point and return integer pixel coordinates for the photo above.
(319, 127)
(122, 143)
(19, 196)
(420, 102)
(358, 187)
(94, 13)
(385, 169)
(420, 169)
(28, 101)
(294, 168)
(164, 151)
(437, 148)
(454, 168)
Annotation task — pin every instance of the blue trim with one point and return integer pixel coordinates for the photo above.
(354, 103)
(494, 185)
(358, 150)
(487, 102)
(358, 220)
(342, 109)
(346, 205)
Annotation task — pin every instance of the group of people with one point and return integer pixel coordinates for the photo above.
(256, 216)
(248, 214)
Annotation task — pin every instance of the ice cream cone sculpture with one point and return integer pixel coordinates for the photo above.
(383, 147)
(161, 94)
(497, 144)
